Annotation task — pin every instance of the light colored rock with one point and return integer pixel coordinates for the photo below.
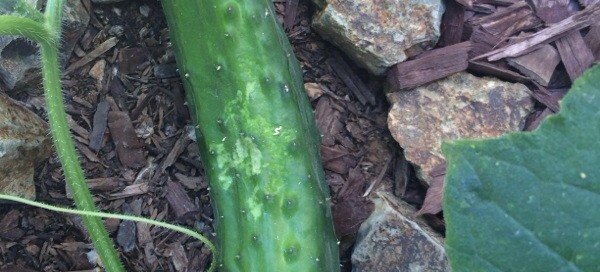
(379, 34)
(24, 141)
(145, 10)
(459, 106)
(392, 239)
(19, 61)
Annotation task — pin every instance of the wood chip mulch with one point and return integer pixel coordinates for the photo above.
(131, 127)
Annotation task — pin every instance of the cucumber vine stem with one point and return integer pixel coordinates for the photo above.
(47, 34)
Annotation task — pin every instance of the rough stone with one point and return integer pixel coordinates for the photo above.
(17, 55)
(19, 62)
(459, 106)
(379, 34)
(24, 141)
(392, 239)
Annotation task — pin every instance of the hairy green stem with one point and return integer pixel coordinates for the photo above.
(53, 16)
(68, 158)
(64, 144)
(47, 36)
(173, 227)
(26, 27)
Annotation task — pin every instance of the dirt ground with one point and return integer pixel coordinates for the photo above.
(140, 81)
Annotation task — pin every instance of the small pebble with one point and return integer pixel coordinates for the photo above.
(145, 10)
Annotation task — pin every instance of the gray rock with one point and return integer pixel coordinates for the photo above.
(392, 239)
(17, 55)
(24, 141)
(459, 106)
(378, 35)
(19, 62)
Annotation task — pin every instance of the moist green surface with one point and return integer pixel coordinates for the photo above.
(257, 136)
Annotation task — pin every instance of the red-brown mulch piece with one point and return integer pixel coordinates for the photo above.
(575, 54)
(452, 25)
(336, 159)
(592, 40)
(178, 148)
(130, 59)
(98, 51)
(99, 125)
(495, 70)
(328, 120)
(433, 199)
(291, 10)
(429, 67)
(129, 147)
(538, 65)
(536, 119)
(352, 81)
(9, 226)
(579, 20)
(350, 208)
(135, 113)
(179, 201)
(490, 31)
(543, 96)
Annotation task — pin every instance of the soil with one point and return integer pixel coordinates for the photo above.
(358, 150)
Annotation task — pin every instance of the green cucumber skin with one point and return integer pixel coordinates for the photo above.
(257, 136)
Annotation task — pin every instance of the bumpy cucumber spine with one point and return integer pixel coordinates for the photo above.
(257, 136)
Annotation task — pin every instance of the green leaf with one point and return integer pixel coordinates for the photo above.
(529, 201)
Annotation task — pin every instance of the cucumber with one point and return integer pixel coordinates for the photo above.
(257, 136)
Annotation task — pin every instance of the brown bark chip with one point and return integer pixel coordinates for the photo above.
(577, 21)
(592, 39)
(352, 81)
(575, 54)
(128, 146)
(179, 201)
(452, 24)
(99, 126)
(428, 67)
(538, 65)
